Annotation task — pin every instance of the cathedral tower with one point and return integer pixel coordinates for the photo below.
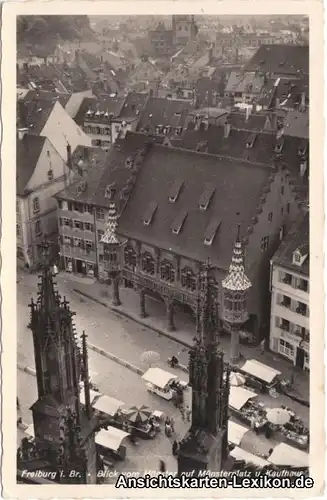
(205, 446)
(64, 430)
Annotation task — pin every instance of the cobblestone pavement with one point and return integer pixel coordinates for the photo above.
(126, 339)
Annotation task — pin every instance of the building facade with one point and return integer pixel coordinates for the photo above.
(290, 288)
(41, 173)
(184, 29)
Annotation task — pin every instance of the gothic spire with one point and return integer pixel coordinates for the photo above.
(88, 406)
(206, 305)
(109, 236)
(236, 280)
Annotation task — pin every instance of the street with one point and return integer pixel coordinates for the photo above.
(127, 340)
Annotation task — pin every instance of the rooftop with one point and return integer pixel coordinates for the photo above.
(133, 105)
(245, 82)
(34, 114)
(297, 239)
(27, 154)
(161, 111)
(296, 124)
(218, 182)
(281, 59)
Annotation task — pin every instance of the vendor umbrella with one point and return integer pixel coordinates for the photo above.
(236, 379)
(150, 357)
(138, 413)
(278, 416)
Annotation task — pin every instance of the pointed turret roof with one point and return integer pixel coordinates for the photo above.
(236, 280)
(109, 236)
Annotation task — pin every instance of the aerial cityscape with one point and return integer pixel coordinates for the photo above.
(162, 236)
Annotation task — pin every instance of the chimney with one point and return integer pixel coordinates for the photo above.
(226, 130)
(21, 133)
(69, 156)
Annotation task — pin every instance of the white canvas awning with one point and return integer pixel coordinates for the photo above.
(286, 455)
(93, 395)
(249, 458)
(260, 371)
(30, 431)
(239, 396)
(236, 432)
(158, 377)
(108, 405)
(111, 438)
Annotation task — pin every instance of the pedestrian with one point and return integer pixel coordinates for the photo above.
(175, 448)
(172, 424)
(167, 421)
(262, 346)
(168, 430)
(162, 466)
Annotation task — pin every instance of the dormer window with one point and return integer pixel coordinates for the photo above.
(206, 197)
(110, 191)
(211, 231)
(175, 190)
(297, 257)
(50, 175)
(250, 141)
(149, 213)
(179, 222)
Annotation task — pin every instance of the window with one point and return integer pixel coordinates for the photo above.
(64, 221)
(36, 205)
(67, 240)
(188, 279)
(78, 207)
(264, 243)
(88, 227)
(284, 324)
(78, 224)
(18, 229)
(286, 348)
(167, 272)
(100, 234)
(297, 257)
(302, 309)
(77, 242)
(302, 285)
(89, 246)
(286, 301)
(70, 206)
(270, 217)
(288, 208)
(129, 257)
(38, 227)
(88, 208)
(50, 175)
(282, 190)
(100, 214)
(148, 264)
(60, 204)
(286, 278)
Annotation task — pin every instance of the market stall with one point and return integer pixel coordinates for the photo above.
(236, 432)
(112, 441)
(108, 405)
(259, 375)
(242, 406)
(163, 383)
(287, 456)
(240, 454)
(288, 428)
(93, 396)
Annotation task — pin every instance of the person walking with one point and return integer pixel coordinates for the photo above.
(172, 424)
(162, 466)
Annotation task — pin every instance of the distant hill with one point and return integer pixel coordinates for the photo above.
(46, 32)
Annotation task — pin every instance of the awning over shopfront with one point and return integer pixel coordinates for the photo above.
(30, 431)
(93, 395)
(239, 396)
(158, 377)
(248, 458)
(108, 405)
(260, 371)
(286, 455)
(236, 432)
(111, 438)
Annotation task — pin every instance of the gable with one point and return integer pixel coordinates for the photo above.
(61, 129)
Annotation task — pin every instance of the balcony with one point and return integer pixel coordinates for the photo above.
(163, 289)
